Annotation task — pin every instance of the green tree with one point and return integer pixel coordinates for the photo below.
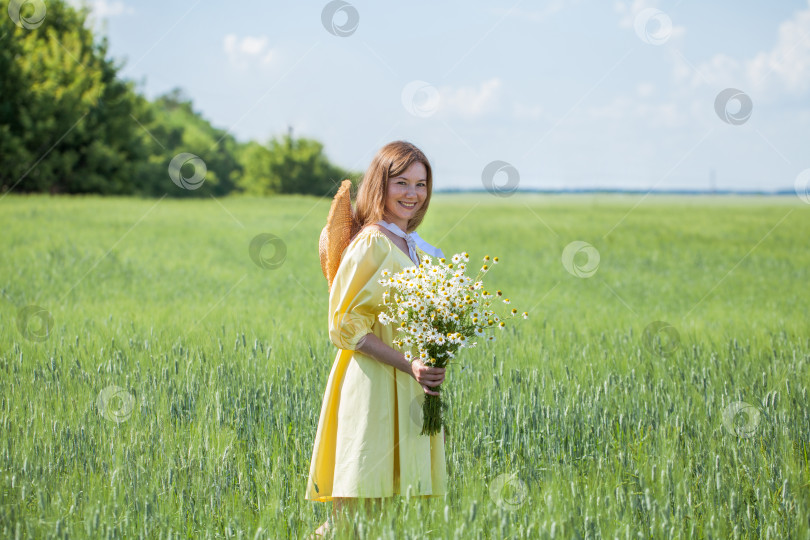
(65, 121)
(70, 124)
(289, 165)
(171, 127)
(257, 166)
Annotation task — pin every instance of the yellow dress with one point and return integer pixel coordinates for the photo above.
(368, 442)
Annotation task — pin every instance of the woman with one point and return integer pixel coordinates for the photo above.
(368, 444)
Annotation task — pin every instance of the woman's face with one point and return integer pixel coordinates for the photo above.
(406, 194)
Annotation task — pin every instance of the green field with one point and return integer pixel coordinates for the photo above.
(213, 368)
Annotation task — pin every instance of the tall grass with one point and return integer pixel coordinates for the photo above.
(178, 389)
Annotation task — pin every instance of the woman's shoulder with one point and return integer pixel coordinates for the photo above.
(370, 238)
(372, 228)
(372, 232)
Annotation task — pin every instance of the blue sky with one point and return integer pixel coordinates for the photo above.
(572, 94)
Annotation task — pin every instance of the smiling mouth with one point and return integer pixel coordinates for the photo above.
(411, 207)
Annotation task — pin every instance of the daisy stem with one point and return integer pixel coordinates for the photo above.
(432, 413)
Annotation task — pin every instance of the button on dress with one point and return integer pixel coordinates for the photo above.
(368, 442)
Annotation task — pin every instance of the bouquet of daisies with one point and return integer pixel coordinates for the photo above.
(438, 310)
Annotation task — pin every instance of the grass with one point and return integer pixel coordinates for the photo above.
(575, 423)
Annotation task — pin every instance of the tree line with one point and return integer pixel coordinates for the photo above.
(70, 124)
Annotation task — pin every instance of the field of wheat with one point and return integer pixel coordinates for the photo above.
(162, 365)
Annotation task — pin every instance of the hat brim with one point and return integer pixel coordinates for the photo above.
(338, 232)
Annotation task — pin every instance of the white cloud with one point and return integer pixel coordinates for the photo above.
(788, 61)
(471, 101)
(784, 69)
(719, 72)
(253, 45)
(539, 15)
(248, 49)
(526, 112)
(629, 12)
(665, 114)
(645, 89)
(104, 8)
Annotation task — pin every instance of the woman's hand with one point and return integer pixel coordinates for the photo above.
(427, 376)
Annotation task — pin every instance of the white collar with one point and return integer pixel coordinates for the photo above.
(413, 240)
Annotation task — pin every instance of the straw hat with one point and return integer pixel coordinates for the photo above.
(338, 232)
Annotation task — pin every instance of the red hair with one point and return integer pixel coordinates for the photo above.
(391, 160)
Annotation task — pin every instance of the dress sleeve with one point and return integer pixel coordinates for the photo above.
(355, 297)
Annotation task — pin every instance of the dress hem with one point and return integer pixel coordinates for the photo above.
(329, 498)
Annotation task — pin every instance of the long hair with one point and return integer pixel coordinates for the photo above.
(391, 160)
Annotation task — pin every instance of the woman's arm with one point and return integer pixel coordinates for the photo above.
(376, 348)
